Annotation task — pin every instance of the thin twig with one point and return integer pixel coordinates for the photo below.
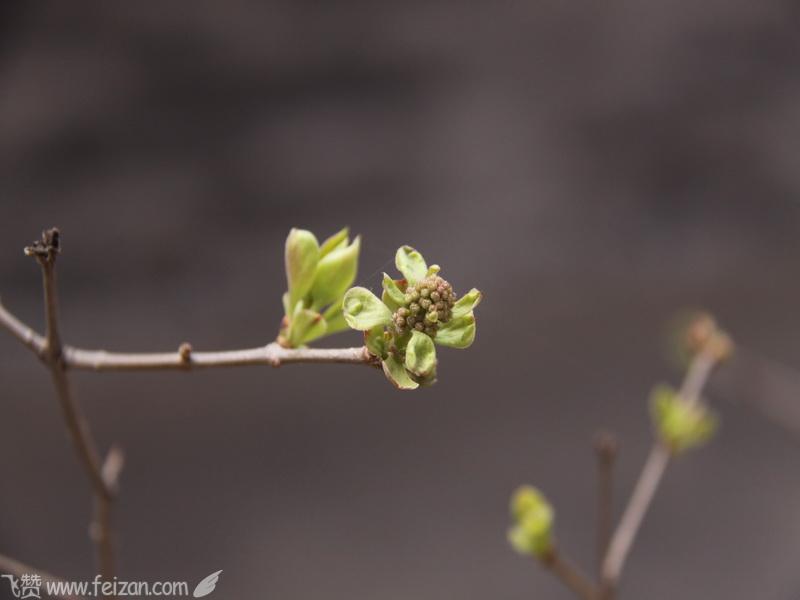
(605, 447)
(649, 480)
(59, 357)
(273, 355)
(45, 251)
(570, 575)
(9, 566)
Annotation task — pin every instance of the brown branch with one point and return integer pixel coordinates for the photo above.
(45, 251)
(10, 566)
(22, 332)
(605, 447)
(649, 480)
(569, 575)
(273, 355)
(59, 357)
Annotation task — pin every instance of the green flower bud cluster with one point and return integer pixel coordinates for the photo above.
(317, 277)
(427, 305)
(400, 327)
(533, 516)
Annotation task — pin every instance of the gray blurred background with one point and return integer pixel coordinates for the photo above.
(592, 168)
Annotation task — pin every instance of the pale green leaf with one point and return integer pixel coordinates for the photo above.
(457, 333)
(396, 372)
(337, 240)
(467, 303)
(375, 341)
(335, 273)
(363, 310)
(411, 264)
(301, 257)
(306, 325)
(334, 316)
(420, 354)
(392, 291)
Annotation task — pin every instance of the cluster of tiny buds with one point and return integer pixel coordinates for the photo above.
(428, 304)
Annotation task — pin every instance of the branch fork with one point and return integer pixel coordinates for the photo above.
(58, 358)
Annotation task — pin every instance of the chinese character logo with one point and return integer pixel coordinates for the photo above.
(26, 587)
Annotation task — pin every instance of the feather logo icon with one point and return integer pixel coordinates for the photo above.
(205, 587)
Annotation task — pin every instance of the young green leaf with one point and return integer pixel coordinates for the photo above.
(336, 241)
(467, 303)
(457, 333)
(375, 342)
(306, 325)
(411, 264)
(336, 272)
(363, 310)
(396, 372)
(302, 256)
(392, 292)
(334, 316)
(420, 354)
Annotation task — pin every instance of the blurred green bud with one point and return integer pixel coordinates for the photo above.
(336, 272)
(302, 256)
(395, 372)
(695, 332)
(411, 264)
(532, 532)
(680, 425)
(420, 354)
(363, 310)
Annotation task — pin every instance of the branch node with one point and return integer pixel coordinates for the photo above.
(112, 468)
(185, 352)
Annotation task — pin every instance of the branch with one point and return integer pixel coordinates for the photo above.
(185, 358)
(570, 576)
(10, 566)
(58, 357)
(650, 478)
(605, 447)
(45, 252)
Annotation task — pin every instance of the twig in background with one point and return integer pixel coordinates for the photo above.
(45, 251)
(686, 425)
(605, 447)
(681, 421)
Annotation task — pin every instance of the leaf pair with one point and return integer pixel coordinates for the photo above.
(317, 277)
